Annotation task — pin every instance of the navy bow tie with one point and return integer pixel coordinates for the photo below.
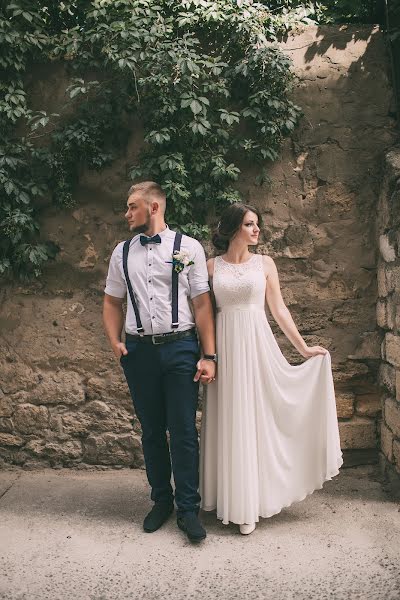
(150, 240)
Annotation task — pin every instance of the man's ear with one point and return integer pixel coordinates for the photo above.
(155, 207)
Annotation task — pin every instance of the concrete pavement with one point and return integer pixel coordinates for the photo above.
(78, 535)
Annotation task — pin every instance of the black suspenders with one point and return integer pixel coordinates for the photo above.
(175, 319)
(125, 252)
(175, 275)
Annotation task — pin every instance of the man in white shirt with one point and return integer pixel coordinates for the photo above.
(168, 299)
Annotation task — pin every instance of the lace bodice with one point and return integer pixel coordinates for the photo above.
(239, 284)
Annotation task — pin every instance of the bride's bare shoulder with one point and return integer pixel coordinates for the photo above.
(269, 264)
(210, 267)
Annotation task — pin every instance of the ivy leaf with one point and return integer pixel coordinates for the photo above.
(195, 107)
(23, 196)
(74, 92)
(9, 187)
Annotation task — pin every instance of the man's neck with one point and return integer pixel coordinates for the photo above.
(156, 228)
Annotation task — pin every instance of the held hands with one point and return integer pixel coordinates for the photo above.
(205, 371)
(310, 351)
(119, 349)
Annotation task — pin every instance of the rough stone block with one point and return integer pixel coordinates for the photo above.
(345, 405)
(369, 405)
(392, 415)
(55, 423)
(382, 287)
(6, 425)
(298, 240)
(393, 279)
(346, 372)
(76, 423)
(387, 377)
(61, 451)
(97, 408)
(7, 439)
(55, 451)
(16, 376)
(386, 248)
(381, 314)
(396, 454)
(357, 434)
(64, 387)
(110, 388)
(354, 313)
(112, 449)
(36, 447)
(31, 419)
(94, 447)
(398, 385)
(397, 316)
(369, 346)
(387, 442)
(392, 347)
(138, 459)
(5, 407)
(391, 305)
(97, 417)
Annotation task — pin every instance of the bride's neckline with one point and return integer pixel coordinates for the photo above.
(238, 264)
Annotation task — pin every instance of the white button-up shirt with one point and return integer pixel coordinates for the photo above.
(150, 272)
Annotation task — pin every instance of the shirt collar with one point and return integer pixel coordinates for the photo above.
(165, 232)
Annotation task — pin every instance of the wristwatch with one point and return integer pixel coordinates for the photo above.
(212, 357)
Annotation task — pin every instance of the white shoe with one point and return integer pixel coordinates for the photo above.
(246, 529)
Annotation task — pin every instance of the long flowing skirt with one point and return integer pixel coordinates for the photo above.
(269, 429)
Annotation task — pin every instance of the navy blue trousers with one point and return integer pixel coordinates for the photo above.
(165, 397)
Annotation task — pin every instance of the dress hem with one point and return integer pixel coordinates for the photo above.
(276, 512)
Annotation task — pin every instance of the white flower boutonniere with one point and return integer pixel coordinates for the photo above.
(180, 260)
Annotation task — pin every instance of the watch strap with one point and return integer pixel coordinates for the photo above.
(212, 357)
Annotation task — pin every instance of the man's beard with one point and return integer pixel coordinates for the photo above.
(142, 228)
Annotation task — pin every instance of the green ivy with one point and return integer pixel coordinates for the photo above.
(204, 79)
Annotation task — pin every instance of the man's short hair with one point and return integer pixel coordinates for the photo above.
(150, 190)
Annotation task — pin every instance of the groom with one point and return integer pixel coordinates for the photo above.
(168, 299)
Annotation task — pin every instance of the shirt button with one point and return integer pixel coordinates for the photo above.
(149, 280)
(151, 298)
(153, 317)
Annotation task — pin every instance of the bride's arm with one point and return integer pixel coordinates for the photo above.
(210, 268)
(281, 313)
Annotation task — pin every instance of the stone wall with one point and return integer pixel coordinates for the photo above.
(388, 312)
(63, 401)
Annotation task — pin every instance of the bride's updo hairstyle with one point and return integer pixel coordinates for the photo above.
(230, 223)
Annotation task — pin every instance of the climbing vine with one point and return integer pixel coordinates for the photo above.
(203, 78)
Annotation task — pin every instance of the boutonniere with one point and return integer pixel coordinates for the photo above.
(180, 260)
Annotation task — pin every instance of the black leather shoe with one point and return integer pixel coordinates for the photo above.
(190, 524)
(157, 516)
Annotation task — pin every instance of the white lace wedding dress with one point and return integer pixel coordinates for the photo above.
(269, 429)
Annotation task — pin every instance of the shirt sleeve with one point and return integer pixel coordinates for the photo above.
(198, 274)
(115, 282)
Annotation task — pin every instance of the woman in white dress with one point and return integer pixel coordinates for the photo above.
(269, 429)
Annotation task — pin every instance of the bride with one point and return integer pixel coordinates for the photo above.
(269, 429)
